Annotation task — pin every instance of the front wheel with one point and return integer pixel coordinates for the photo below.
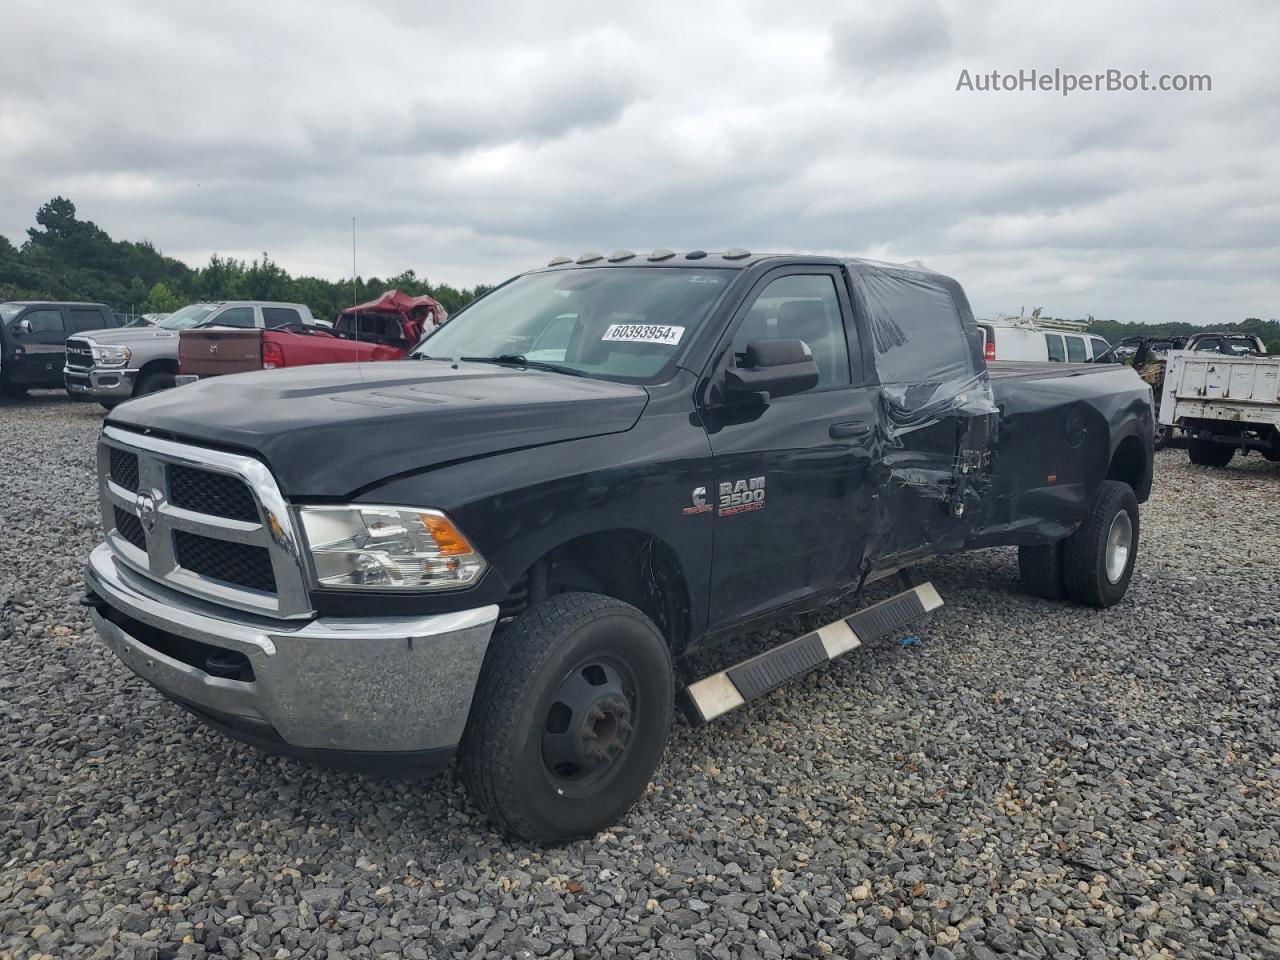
(1097, 560)
(154, 382)
(14, 391)
(1206, 453)
(570, 717)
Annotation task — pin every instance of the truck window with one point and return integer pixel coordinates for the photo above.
(234, 317)
(1075, 350)
(553, 343)
(1099, 345)
(800, 308)
(631, 324)
(917, 328)
(86, 318)
(45, 321)
(1057, 351)
(273, 317)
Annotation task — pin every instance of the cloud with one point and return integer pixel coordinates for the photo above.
(473, 141)
(890, 38)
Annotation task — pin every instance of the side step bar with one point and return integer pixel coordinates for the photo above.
(729, 689)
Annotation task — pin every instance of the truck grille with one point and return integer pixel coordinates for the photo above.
(240, 563)
(130, 527)
(204, 522)
(214, 493)
(124, 469)
(79, 354)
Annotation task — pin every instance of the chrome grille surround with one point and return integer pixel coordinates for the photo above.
(160, 519)
(79, 353)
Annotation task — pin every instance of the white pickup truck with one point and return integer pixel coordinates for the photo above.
(1222, 404)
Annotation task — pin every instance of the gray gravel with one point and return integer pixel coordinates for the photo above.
(1029, 779)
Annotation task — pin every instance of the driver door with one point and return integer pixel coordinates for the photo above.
(791, 488)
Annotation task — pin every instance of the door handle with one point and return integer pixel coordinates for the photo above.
(846, 431)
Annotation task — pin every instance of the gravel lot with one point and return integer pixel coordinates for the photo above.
(1028, 779)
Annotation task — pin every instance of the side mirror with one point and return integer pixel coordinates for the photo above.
(778, 368)
(22, 328)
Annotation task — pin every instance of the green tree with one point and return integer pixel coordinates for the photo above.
(161, 300)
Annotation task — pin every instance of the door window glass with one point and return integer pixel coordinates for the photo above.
(800, 308)
(234, 317)
(45, 321)
(83, 319)
(279, 316)
(1075, 349)
(1056, 349)
(1099, 347)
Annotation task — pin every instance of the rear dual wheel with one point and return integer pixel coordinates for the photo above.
(570, 717)
(1094, 565)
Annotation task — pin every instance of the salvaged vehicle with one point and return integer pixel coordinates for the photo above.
(111, 367)
(504, 547)
(1223, 403)
(391, 326)
(33, 335)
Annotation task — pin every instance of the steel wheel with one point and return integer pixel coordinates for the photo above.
(1119, 543)
(588, 726)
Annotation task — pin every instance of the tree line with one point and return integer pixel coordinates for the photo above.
(66, 258)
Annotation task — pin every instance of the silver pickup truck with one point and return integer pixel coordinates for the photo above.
(111, 366)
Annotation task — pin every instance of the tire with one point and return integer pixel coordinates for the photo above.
(535, 694)
(1206, 453)
(1041, 570)
(14, 391)
(154, 382)
(109, 405)
(1087, 575)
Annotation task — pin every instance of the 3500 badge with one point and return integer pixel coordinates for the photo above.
(739, 496)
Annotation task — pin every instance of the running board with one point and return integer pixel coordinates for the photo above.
(729, 689)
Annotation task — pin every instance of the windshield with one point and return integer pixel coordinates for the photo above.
(610, 322)
(188, 316)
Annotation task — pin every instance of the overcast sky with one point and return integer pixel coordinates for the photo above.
(474, 141)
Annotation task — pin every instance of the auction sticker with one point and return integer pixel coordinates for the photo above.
(643, 333)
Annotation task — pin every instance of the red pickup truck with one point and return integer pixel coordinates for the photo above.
(382, 329)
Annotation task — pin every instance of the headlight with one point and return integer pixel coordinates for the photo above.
(389, 548)
(109, 356)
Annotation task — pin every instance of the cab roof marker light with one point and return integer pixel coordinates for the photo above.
(556, 261)
(661, 254)
(736, 253)
(696, 255)
(619, 255)
(590, 257)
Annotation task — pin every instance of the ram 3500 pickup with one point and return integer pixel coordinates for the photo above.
(499, 547)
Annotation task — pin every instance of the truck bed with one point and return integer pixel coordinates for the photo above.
(1037, 370)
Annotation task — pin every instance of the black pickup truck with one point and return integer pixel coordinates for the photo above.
(504, 547)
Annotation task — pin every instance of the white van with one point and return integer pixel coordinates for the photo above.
(1024, 338)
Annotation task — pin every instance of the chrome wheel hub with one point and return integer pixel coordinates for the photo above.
(1119, 545)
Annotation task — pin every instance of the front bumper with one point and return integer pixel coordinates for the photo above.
(105, 384)
(332, 688)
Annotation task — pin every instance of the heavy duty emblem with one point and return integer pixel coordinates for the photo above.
(213, 348)
(147, 509)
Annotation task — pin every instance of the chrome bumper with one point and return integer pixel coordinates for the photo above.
(363, 686)
(106, 384)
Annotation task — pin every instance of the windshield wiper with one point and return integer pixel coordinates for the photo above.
(520, 360)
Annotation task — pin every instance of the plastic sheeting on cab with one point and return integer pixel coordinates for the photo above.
(921, 321)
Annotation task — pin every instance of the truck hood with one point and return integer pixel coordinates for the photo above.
(124, 337)
(327, 431)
